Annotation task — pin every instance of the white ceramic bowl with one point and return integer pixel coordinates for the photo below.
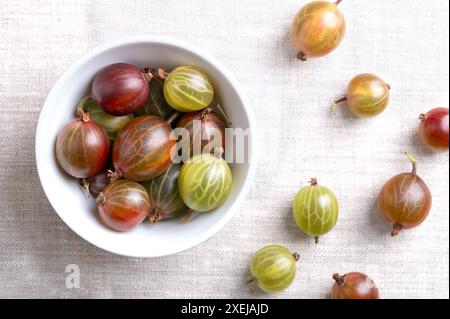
(66, 196)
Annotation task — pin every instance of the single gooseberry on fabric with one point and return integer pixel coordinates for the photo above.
(318, 29)
(367, 95)
(188, 89)
(405, 200)
(205, 182)
(112, 124)
(120, 89)
(354, 285)
(273, 268)
(123, 204)
(434, 129)
(316, 209)
(82, 147)
(143, 148)
(165, 196)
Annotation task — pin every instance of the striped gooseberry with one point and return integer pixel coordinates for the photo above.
(82, 147)
(206, 129)
(120, 89)
(316, 209)
(354, 285)
(205, 182)
(318, 29)
(367, 95)
(187, 89)
(405, 200)
(273, 268)
(123, 204)
(164, 195)
(143, 148)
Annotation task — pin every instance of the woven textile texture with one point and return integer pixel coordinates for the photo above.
(405, 42)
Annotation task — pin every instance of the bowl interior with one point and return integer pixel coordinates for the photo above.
(67, 197)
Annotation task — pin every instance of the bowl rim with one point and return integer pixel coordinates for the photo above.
(252, 159)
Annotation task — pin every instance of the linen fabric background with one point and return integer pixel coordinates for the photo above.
(405, 42)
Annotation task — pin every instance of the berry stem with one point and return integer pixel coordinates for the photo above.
(301, 56)
(313, 181)
(162, 74)
(296, 256)
(188, 215)
(340, 280)
(155, 215)
(101, 199)
(205, 112)
(413, 162)
(423, 117)
(84, 117)
(337, 2)
(250, 281)
(396, 229)
(149, 73)
(115, 175)
(316, 239)
(338, 101)
(85, 185)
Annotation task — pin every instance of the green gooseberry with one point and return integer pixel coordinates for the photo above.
(316, 210)
(205, 182)
(112, 124)
(188, 89)
(164, 195)
(273, 268)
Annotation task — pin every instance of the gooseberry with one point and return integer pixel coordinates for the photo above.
(123, 204)
(316, 209)
(434, 129)
(205, 129)
(205, 182)
(273, 268)
(82, 147)
(367, 95)
(120, 89)
(354, 285)
(112, 124)
(143, 148)
(187, 89)
(164, 195)
(318, 29)
(405, 200)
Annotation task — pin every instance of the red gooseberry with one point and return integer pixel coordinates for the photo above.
(82, 147)
(354, 285)
(434, 129)
(143, 148)
(405, 200)
(123, 204)
(120, 89)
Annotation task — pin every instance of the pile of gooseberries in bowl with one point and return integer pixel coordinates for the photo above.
(113, 157)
